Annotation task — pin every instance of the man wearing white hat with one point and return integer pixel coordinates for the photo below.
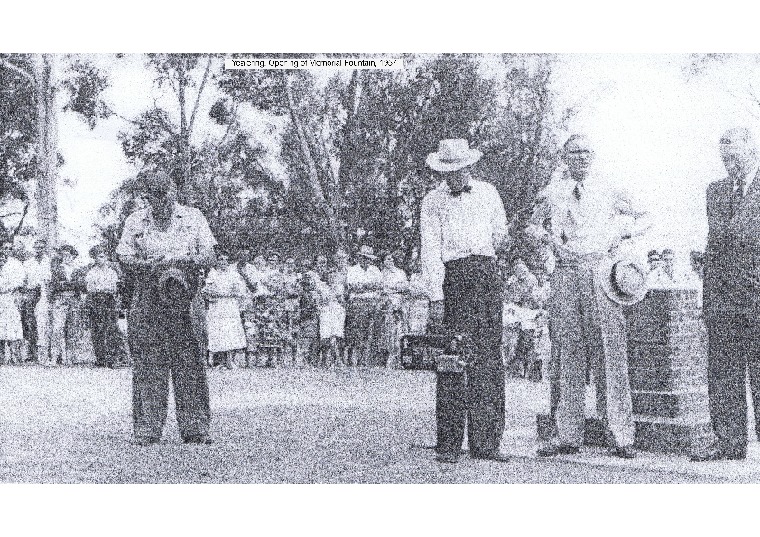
(584, 223)
(462, 222)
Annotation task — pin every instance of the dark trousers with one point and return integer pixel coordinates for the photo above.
(162, 343)
(28, 318)
(104, 328)
(733, 348)
(472, 305)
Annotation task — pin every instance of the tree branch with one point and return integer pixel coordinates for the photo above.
(18, 70)
(21, 222)
(200, 92)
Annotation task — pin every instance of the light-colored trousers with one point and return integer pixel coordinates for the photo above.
(62, 324)
(588, 330)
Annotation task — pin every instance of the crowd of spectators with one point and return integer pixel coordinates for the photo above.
(259, 310)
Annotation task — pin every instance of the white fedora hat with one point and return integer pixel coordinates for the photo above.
(452, 155)
(367, 251)
(623, 280)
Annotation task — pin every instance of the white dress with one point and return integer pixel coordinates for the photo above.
(12, 277)
(225, 291)
(332, 314)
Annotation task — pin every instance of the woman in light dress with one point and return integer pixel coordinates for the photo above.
(12, 279)
(332, 317)
(225, 291)
(395, 287)
(364, 314)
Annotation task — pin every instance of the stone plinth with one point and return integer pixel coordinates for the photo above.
(667, 364)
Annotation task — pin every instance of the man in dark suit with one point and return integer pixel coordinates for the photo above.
(732, 295)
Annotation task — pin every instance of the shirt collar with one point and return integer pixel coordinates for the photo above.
(443, 186)
(178, 211)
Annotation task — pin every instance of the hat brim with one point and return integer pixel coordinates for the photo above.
(70, 249)
(434, 162)
(368, 256)
(603, 276)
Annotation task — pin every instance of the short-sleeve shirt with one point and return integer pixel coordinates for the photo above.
(101, 279)
(37, 272)
(188, 234)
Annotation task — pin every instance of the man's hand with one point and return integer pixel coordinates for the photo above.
(563, 252)
(435, 314)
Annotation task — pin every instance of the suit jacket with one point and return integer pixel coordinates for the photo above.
(732, 256)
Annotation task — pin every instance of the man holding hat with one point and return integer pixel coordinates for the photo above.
(462, 223)
(165, 246)
(585, 225)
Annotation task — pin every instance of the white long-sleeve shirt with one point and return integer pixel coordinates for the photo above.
(592, 223)
(454, 227)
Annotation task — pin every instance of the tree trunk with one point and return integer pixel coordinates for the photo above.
(47, 154)
(184, 134)
(334, 227)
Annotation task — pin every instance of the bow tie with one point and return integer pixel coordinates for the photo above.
(457, 193)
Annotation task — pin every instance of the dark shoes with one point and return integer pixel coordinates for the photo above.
(625, 452)
(496, 456)
(423, 446)
(198, 439)
(146, 441)
(558, 449)
(450, 458)
(716, 454)
(151, 441)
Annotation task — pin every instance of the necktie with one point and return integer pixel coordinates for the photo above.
(457, 193)
(577, 191)
(738, 194)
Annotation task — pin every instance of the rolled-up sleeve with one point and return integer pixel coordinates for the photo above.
(542, 213)
(126, 245)
(204, 238)
(631, 214)
(432, 263)
(498, 217)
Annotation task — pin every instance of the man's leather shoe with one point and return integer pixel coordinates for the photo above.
(716, 454)
(146, 441)
(554, 450)
(624, 452)
(198, 439)
(496, 456)
(423, 446)
(450, 458)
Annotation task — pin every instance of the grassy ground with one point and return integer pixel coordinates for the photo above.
(73, 425)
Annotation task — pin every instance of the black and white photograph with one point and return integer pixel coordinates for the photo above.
(431, 268)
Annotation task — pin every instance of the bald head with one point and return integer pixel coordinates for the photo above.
(738, 150)
(578, 155)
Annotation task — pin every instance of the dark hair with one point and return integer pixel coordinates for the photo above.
(96, 250)
(221, 250)
(67, 248)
